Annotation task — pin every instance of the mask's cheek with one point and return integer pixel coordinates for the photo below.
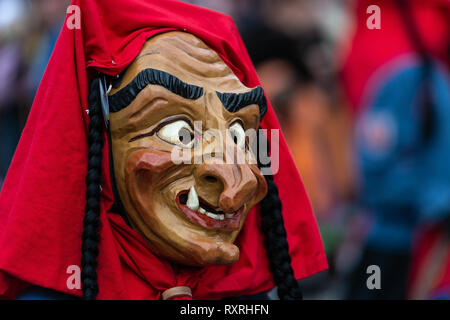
(147, 172)
(144, 178)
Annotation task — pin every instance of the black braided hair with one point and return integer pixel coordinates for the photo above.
(275, 242)
(91, 235)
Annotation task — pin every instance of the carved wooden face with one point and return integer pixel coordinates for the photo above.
(190, 213)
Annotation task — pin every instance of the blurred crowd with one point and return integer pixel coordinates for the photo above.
(365, 112)
(28, 33)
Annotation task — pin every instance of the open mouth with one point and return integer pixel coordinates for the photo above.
(201, 212)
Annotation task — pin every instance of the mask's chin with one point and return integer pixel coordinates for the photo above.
(198, 252)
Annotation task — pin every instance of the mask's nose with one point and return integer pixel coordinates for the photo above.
(227, 186)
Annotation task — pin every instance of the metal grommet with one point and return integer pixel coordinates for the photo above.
(175, 292)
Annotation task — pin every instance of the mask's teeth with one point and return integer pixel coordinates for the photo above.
(192, 201)
(229, 215)
(202, 211)
(215, 216)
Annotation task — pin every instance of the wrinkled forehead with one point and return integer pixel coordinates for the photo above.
(187, 58)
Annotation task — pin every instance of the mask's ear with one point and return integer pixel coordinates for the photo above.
(275, 242)
(91, 234)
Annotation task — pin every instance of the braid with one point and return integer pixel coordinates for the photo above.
(275, 241)
(91, 236)
(276, 244)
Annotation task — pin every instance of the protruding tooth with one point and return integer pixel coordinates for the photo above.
(212, 215)
(202, 211)
(229, 215)
(192, 200)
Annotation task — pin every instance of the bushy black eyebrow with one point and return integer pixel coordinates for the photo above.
(125, 96)
(233, 102)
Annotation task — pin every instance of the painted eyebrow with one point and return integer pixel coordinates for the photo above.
(233, 102)
(125, 96)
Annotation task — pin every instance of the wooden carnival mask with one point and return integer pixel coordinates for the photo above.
(176, 90)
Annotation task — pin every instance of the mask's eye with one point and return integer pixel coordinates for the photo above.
(179, 133)
(238, 134)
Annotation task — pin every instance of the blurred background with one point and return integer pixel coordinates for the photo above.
(363, 97)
